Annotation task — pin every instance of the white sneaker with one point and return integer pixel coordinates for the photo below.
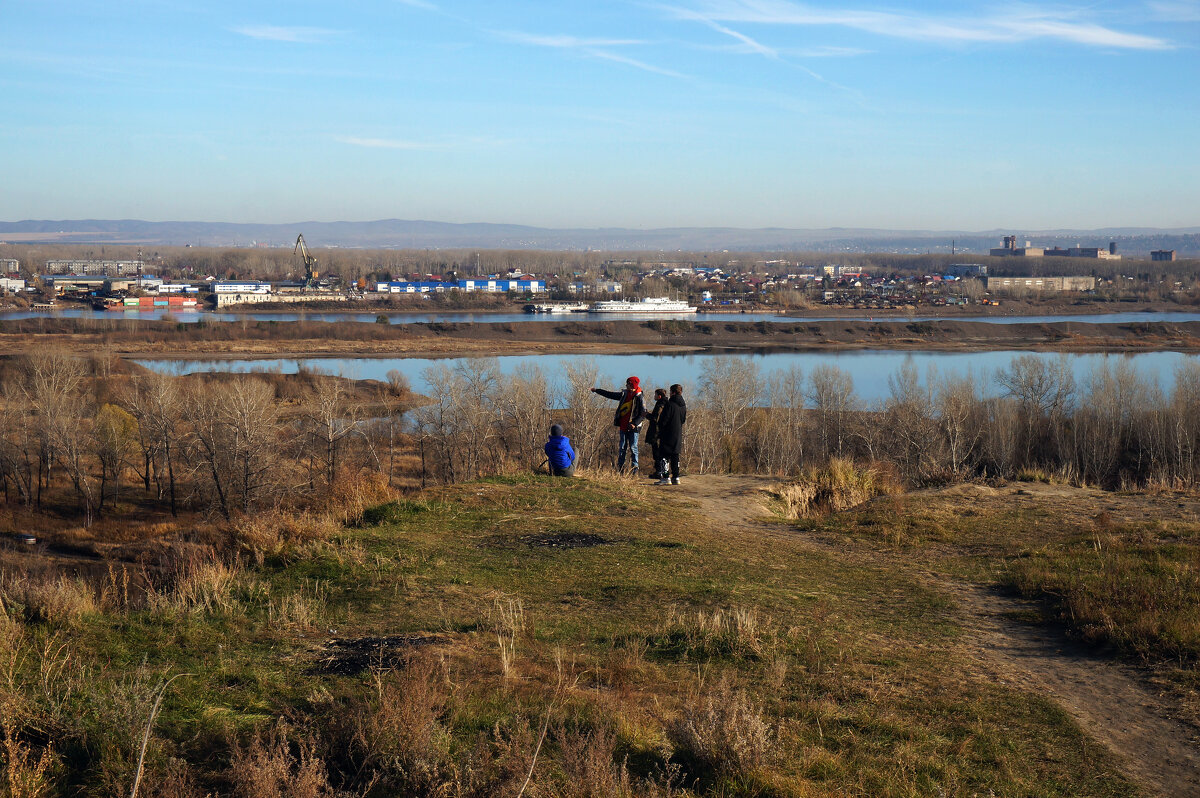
(663, 481)
(675, 481)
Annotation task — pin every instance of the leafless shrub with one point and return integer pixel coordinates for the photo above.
(589, 769)
(398, 383)
(400, 737)
(25, 773)
(725, 730)
(273, 766)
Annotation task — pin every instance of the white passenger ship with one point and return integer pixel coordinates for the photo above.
(557, 307)
(655, 304)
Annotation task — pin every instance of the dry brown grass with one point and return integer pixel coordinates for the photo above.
(58, 599)
(738, 632)
(303, 609)
(838, 486)
(205, 586)
(272, 533)
(507, 618)
(354, 493)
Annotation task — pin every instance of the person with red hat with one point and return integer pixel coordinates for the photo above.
(628, 419)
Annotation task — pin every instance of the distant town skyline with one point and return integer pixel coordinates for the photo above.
(688, 113)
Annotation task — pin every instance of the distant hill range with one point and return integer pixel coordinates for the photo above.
(402, 234)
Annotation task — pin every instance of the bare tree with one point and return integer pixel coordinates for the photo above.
(525, 400)
(19, 443)
(154, 401)
(330, 418)
(1043, 389)
(831, 393)
(54, 382)
(778, 436)
(914, 440)
(587, 420)
(729, 387)
(208, 451)
(251, 417)
(960, 416)
(460, 429)
(114, 435)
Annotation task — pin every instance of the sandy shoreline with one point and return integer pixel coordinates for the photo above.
(267, 340)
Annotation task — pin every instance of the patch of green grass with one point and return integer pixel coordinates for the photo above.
(1120, 587)
(392, 512)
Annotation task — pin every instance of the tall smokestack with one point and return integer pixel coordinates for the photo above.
(1112, 247)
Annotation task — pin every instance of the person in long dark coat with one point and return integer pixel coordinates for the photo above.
(670, 432)
(660, 463)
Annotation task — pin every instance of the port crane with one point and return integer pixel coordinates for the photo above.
(310, 262)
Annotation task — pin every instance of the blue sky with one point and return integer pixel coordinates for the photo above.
(746, 113)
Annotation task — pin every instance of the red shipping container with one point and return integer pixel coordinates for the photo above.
(175, 300)
(146, 300)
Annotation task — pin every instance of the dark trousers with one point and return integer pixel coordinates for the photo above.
(673, 459)
(657, 452)
(569, 471)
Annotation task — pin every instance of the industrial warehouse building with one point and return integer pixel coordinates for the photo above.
(1013, 284)
(476, 284)
(1011, 250)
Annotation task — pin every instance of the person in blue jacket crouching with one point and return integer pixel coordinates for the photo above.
(560, 453)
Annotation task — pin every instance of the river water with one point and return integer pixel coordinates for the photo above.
(508, 318)
(870, 369)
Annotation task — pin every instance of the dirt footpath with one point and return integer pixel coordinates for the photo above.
(1112, 702)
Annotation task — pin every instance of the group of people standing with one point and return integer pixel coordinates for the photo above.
(664, 432)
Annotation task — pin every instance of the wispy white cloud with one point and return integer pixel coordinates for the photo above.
(598, 48)
(1011, 25)
(749, 44)
(823, 52)
(393, 144)
(277, 33)
(448, 143)
(820, 51)
(1175, 10)
(617, 58)
(564, 42)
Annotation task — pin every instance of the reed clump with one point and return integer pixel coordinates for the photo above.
(835, 487)
(739, 633)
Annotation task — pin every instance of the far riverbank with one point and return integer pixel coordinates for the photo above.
(268, 339)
